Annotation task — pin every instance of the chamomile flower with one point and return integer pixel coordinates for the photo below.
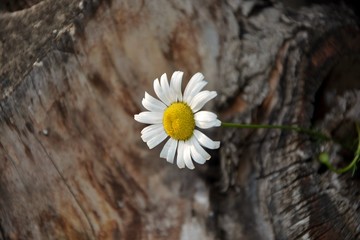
(178, 116)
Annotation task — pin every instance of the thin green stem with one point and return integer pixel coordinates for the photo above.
(310, 132)
(324, 157)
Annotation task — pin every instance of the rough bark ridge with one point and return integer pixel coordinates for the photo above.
(72, 165)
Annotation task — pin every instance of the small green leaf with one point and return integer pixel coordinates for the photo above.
(324, 158)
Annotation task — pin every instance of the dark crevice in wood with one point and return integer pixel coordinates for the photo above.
(343, 76)
(259, 7)
(295, 5)
(17, 5)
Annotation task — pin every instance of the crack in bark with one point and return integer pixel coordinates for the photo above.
(67, 186)
(12, 160)
(57, 170)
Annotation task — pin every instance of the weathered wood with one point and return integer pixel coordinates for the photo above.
(72, 164)
(274, 189)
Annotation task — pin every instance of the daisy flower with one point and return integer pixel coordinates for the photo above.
(178, 116)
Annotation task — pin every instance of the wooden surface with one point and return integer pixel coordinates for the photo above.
(73, 166)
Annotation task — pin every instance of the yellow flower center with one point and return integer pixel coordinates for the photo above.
(178, 121)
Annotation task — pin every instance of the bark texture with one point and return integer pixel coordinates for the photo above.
(72, 75)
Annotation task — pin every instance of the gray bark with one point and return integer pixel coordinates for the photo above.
(73, 166)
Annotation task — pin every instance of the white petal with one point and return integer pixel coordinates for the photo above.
(149, 117)
(152, 104)
(201, 99)
(165, 87)
(195, 79)
(169, 150)
(197, 152)
(159, 92)
(205, 141)
(151, 107)
(175, 85)
(180, 155)
(206, 125)
(156, 140)
(187, 156)
(195, 90)
(148, 135)
(151, 128)
(172, 150)
(206, 119)
(165, 150)
(205, 116)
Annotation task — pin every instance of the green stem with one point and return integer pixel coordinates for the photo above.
(310, 132)
(324, 158)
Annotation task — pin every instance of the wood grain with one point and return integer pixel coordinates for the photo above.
(73, 166)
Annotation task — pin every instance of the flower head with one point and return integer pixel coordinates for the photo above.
(178, 116)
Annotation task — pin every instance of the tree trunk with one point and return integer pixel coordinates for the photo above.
(72, 75)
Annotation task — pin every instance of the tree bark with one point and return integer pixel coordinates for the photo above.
(73, 166)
